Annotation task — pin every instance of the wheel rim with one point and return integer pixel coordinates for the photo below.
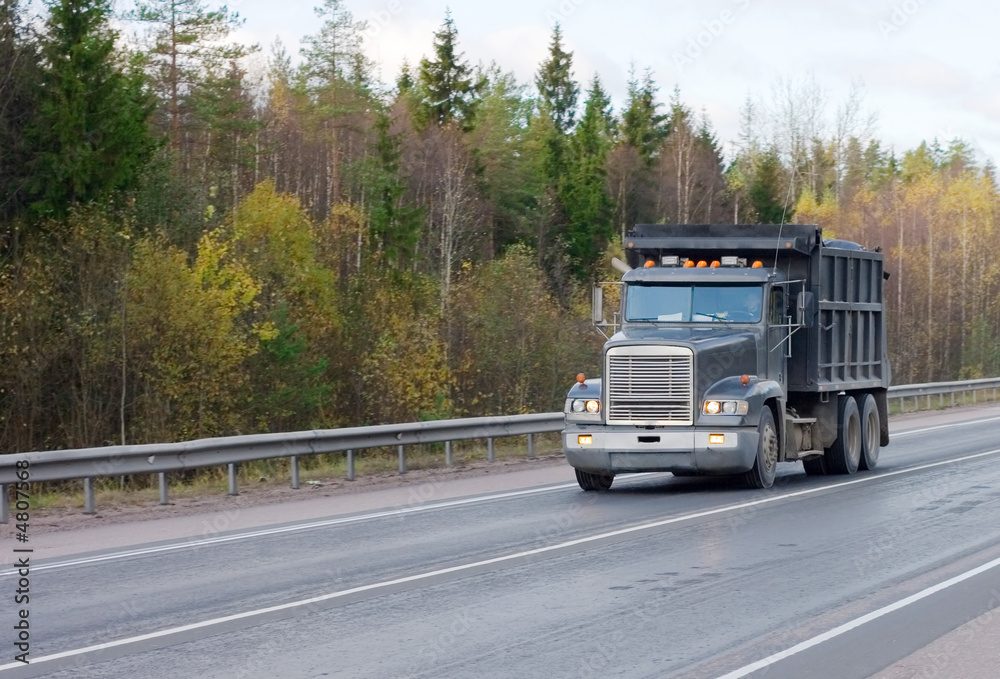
(854, 438)
(871, 435)
(770, 448)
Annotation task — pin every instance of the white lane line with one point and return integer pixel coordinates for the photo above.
(857, 622)
(910, 432)
(291, 529)
(486, 562)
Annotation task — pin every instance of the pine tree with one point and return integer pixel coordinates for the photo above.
(338, 81)
(335, 53)
(583, 192)
(504, 160)
(188, 40)
(405, 82)
(767, 191)
(642, 126)
(19, 65)
(91, 136)
(395, 227)
(557, 91)
(449, 93)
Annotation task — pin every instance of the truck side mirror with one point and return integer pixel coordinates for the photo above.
(805, 307)
(598, 305)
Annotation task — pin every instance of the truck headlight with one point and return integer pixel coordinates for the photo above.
(591, 405)
(726, 407)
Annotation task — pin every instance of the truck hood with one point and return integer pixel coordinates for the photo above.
(719, 352)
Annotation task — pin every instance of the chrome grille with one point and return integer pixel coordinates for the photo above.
(650, 385)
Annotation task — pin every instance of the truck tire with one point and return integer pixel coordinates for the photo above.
(871, 432)
(844, 456)
(590, 481)
(761, 475)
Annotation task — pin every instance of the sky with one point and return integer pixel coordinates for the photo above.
(928, 68)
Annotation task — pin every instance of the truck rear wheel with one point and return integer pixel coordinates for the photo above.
(844, 456)
(590, 481)
(761, 475)
(871, 432)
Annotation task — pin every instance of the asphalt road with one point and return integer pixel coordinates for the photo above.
(660, 577)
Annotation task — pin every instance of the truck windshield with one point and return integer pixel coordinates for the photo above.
(694, 304)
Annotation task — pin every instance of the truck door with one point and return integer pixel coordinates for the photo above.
(777, 336)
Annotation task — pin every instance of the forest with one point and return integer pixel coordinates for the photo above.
(198, 238)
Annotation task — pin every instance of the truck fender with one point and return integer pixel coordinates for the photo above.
(767, 390)
(756, 393)
(590, 388)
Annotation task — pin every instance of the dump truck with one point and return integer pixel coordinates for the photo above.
(735, 347)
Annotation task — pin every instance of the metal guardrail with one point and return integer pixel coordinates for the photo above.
(163, 458)
(917, 392)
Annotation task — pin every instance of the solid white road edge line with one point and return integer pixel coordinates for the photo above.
(857, 622)
(487, 562)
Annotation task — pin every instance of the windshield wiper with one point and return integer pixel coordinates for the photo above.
(714, 317)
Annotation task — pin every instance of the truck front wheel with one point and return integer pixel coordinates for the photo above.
(590, 481)
(761, 475)
(844, 456)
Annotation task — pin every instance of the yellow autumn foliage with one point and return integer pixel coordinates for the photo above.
(187, 344)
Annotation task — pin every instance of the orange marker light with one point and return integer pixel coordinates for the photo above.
(649, 264)
(716, 264)
(689, 264)
(581, 378)
(758, 265)
(585, 439)
(702, 264)
(745, 380)
(716, 439)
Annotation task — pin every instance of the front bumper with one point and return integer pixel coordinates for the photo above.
(633, 449)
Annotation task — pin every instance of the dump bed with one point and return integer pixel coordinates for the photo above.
(844, 345)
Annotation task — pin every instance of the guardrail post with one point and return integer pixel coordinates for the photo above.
(491, 454)
(88, 496)
(447, 453)
(975, 393)
(295, 472)
(4, 508)
(402, 459)
(531, 446)
(952, 399)
(164, 500)
(350, 465)
(233, 490)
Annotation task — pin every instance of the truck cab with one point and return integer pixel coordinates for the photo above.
(714, 365)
